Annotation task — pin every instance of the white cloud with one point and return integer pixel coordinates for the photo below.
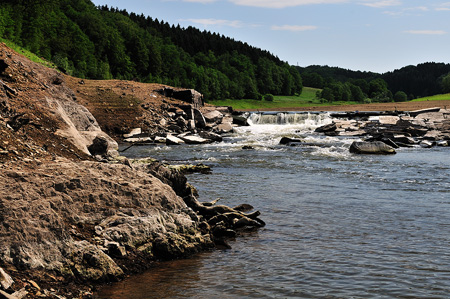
(427, 32)
(381, 3)
(294, 28)
(408, 11)
(443, 6)
(216, 22)
(283, 3)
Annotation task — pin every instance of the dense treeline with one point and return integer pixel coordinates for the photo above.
(103, 43)
(400, 85)
(423, 80)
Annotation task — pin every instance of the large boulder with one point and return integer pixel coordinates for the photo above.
(224, 127)
(213, 116)
(200, 120)
(327, 128)
(99, 146)
(374, 148)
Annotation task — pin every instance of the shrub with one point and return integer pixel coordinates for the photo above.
(268, 97)
(400, 96)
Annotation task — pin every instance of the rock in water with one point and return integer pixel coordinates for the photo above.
(374, 148)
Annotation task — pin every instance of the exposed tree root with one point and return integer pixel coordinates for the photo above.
(222, 221)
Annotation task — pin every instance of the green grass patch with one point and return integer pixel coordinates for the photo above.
(438, 97)
(28, 54)
(306, 99)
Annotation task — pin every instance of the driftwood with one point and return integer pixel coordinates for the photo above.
(222, 221)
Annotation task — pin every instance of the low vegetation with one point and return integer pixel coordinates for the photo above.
(438, 97)
(27, 53)
(306, 99)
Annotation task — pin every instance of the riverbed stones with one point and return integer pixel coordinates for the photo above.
(224, 128)
(5, 280)
(193, 139)
(173, 140)
(403, 130)
(374, 148)
(213, 116)
(133, 132)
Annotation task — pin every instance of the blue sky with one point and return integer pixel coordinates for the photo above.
(367, 35)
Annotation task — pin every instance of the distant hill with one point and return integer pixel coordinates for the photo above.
(104, 43)
(416, 81)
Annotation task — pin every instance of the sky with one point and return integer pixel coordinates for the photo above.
(367, 35)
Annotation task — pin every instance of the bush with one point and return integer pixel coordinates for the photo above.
(400, 96)
(268, 97)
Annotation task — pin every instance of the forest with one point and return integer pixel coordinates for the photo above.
(404, 84)
(103, 42)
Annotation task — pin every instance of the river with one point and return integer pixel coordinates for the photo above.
(339, 225)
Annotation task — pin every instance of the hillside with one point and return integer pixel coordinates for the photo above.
(106, 43)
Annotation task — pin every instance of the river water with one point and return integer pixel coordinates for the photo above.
(339, 225)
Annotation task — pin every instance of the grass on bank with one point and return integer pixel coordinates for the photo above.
(306, 99)
(28, 54)
(438, 97)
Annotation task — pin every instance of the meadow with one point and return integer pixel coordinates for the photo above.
(306, 99)
(438, 97)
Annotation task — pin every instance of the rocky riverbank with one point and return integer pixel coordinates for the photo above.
(386, 131)
(73, 213)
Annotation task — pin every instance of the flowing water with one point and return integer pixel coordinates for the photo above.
(338, 225)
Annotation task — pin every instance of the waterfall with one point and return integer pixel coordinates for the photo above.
(308, 119)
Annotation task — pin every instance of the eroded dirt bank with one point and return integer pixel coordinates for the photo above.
(68, 221)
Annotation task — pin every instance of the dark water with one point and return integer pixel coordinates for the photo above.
(338, 225)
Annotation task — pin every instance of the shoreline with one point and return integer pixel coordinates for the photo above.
(396, 106)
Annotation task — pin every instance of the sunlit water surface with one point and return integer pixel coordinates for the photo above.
(338, 225)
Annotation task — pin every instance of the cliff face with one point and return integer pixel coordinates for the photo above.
(64, 217)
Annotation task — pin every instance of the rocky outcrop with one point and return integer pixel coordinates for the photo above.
(89, 221)
(422, 127)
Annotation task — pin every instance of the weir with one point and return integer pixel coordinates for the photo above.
(289, 118)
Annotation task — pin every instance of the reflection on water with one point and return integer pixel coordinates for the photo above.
(338, 225)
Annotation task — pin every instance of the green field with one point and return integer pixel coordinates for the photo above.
(306, 99)
(438, 97)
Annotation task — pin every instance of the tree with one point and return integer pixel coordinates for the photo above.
(356, 93)
(446, 83)
(327, 94)
(268, 97)
(376, 87)
(400, 96)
